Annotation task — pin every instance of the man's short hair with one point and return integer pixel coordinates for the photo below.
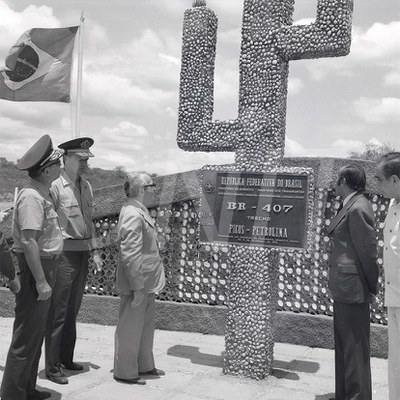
(390, 164)
(134, 182)
(355, 177)
(35, 174)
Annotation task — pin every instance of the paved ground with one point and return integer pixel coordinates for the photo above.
(193, 364)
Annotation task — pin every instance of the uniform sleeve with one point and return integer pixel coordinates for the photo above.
(31, 213)
(94, 243)
(394, 241)
(131, 241)
(363, 236)
(54, 193)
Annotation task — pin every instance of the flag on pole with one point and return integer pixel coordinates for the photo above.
(39, 66)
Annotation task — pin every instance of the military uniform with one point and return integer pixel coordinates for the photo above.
(34, 211)
(73, 203)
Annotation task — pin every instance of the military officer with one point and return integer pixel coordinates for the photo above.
(38, 244)
(73, 196)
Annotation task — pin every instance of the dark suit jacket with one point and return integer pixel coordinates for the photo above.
(353, 270)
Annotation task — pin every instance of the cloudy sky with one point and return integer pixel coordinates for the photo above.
(131, 78)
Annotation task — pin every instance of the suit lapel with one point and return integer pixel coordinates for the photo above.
(145, 214)
(340, 215)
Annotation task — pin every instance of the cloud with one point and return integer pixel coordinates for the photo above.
(94, 34)
(376, 46)
(337, 148)
(171, 59)
(304, 21)
(344, 146)
(295, 86)
(294, 149)
(392, 78)
(169, 161)
(380, 43)
(13, 24)
(231, 36)
(378, 110)
(126, 129)
(109, 94)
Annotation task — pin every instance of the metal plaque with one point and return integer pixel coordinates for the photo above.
(257, 209)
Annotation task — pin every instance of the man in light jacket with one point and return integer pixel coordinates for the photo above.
(388, 175)
(140, 277)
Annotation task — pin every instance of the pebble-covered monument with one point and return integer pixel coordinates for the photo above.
(257, 136)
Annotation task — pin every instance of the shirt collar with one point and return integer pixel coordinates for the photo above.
(66, 180)
(45, 190)
(137, 203)
(347, 199)
(394, 203)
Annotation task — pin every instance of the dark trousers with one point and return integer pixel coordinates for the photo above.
(352, 351)
(65, 303)
(20, 374)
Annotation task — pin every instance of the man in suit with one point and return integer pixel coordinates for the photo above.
(37, 244)
(140, 277)
(388, 175)
(353, 278)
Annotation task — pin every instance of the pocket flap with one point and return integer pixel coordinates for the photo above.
(71, 203)
(348, 269)
(49, 213)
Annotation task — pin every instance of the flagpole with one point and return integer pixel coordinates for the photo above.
(79, 79)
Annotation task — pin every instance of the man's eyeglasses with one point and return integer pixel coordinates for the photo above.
(149, 185)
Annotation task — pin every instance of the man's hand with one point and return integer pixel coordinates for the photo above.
(44, 291)
(15, 285)
(98, 262)
(138, 297)
(373, 299)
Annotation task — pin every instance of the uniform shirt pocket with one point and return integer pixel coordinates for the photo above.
(49, 212)
(72, 208)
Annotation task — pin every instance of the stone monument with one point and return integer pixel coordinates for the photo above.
(257, 136)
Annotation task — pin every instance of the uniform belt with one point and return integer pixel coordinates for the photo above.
(50, 256)
(76, 244)
(45, 256)
(83, 241)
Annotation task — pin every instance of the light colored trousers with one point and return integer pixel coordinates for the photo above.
(134, 337)
(394, 352)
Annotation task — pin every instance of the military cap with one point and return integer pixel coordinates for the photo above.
(79, 146)
(40, 155)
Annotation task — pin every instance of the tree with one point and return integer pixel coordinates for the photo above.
(372, 151)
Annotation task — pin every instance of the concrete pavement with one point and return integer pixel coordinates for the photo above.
(193, 365)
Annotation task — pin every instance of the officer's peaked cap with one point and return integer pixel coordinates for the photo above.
(40, 155)
(79, 146)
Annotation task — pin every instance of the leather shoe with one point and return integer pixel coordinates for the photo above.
(57, 377)
(37, 395)
(134, 381)
(73, 366)
(154, 371)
